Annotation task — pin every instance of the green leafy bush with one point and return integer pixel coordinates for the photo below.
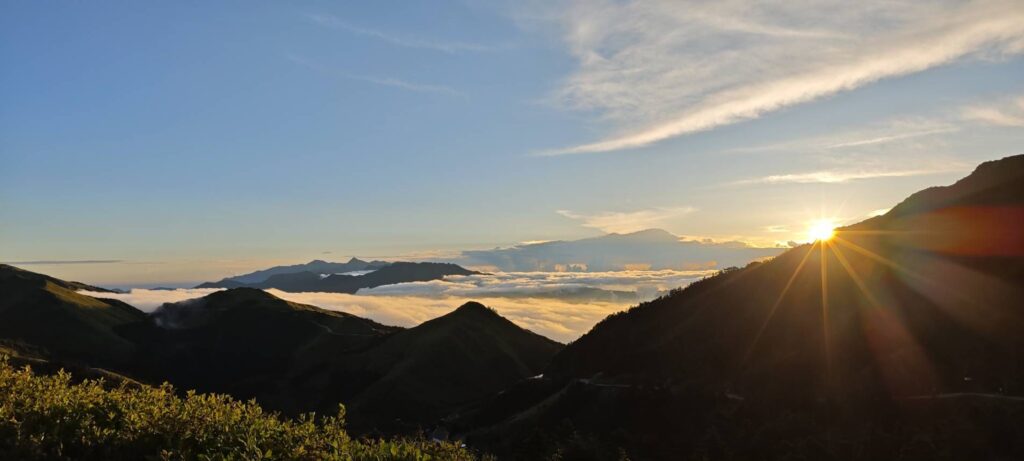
(52, 417)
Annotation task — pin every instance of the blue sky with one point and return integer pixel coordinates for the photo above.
(197, 138)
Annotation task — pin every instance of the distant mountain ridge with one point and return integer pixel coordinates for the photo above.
(315, 266)
(294, 280)
(654, 249)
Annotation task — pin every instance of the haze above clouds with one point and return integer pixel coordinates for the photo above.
(644, 250)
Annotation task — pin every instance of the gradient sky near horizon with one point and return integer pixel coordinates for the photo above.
(186, 141)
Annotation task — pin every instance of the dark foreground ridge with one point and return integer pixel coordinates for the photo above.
(288, 356)
(903, 328)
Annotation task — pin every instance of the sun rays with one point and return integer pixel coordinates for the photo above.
(880, 325)
(778, 301)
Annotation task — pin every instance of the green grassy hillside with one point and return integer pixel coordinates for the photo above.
(50, 315)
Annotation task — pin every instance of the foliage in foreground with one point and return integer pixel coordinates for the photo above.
(51, 417)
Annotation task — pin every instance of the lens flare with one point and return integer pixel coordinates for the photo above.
(821, 230)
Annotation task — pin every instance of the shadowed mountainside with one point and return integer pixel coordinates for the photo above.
(290, 357)
(294, 357)
(49, 316)
(903, 328)
(457, 359)
(242, 342)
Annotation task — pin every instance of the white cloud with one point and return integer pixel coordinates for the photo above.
(561, 306)
(148, 300)
(382, 81)
(1008, 113)
(659, 69)
(628, 221)
(896, 133)
(888, 138)
(397, 40)
(645, 284)
(834, 177)
(526, 298)
(556, 319)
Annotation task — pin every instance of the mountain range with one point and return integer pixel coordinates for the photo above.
(316, 266)
(652, 249)
(901, 337)
(320, 276)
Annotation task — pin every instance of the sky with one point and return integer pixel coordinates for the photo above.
(187, 141)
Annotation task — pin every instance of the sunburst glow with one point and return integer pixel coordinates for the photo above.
(821, 230)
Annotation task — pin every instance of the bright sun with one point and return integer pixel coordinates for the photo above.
(822, 230)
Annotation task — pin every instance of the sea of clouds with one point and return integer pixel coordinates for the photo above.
(559, 305)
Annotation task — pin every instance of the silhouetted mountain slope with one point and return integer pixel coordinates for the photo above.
(306, 281)
(992, 183)
(290, 357)
(428, 371)
(651, 248)
(858, 347)
(47, 314)
(12, 274)
(316, 266)
(244, 342)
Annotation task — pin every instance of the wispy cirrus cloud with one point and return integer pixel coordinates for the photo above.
(622, 222)
(834, 177)
(1009, 113)
(888, 134)
(335, 22)
(381, 81)
(889, 138)
(405, 85)
(660, 69)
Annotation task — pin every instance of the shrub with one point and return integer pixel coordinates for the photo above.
(51, 417)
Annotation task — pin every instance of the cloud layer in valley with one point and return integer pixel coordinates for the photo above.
(561, 306)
